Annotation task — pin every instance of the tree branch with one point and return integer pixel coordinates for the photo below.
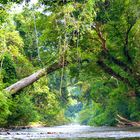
(100, 35)
(37, 75)
(126, 50)
(118, 62)
(34, 77)
(111, 72)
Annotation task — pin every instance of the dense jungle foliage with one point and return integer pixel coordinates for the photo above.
(97, 45)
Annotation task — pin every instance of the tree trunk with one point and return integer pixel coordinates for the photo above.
(123, 122)
(33, 78)
(111, 72)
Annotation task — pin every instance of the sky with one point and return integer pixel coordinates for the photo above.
(17, 8)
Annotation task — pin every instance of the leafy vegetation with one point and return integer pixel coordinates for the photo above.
(87, 54)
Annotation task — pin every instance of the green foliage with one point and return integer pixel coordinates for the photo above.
(4, 108)
(6, 1)
(22, 110)
(9, 71)
(73, 110)
(105, 101)
(47, 104)
(100, 41)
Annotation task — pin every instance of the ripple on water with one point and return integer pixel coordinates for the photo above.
(70, 132)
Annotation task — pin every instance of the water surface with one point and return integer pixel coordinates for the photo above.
(73, 132)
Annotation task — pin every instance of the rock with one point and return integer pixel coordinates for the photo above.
(41, 133)
(8, 133)
(51, 132)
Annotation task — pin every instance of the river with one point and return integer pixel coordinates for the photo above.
(73, 132)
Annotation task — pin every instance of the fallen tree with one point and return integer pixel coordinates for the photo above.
(123, 122)
(34, 77)
(14, 88)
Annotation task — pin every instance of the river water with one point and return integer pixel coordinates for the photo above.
(73, 132)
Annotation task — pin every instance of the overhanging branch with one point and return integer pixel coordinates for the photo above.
(34, 77)
(111, 72)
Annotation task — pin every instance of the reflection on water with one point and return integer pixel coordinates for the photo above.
(73, 132)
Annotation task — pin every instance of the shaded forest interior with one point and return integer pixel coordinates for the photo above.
(69, 61)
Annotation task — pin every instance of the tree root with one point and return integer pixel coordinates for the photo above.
(123, 122)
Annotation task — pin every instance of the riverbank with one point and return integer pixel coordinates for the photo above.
(10, 128)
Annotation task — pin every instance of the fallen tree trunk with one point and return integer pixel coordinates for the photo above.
(123, 122)
(34, 77)
(26, 81)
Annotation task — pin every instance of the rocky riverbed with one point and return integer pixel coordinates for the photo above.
(71, 132)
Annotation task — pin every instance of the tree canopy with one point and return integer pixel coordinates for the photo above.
(69, 59)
